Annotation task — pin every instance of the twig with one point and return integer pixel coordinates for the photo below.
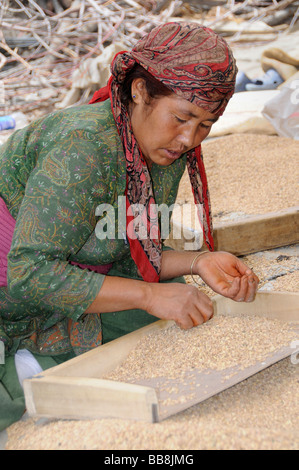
(295, 18)
(3, 60)
(64, 39)
(270, 9)
(15, 55)
(46, 46)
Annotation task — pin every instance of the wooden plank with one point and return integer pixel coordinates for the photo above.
(75, 389)
(258, 233)
(271, 305)
(89, 398)
(243, 236)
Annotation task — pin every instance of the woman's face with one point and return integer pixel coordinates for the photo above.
(167, 127)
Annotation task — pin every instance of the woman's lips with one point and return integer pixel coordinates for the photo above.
(172, 154)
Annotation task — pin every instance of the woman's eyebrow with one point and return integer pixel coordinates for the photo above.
(213, 119)
(190, 114)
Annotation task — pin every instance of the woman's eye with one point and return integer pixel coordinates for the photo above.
(205, 126)
(181, 121)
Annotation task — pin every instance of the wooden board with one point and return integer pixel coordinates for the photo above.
(244, 236)
(258, 233)
(75, 389)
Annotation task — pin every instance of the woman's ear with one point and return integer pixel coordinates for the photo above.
(139, 92)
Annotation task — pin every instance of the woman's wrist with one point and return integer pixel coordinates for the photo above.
(197, 263)
(119, 293)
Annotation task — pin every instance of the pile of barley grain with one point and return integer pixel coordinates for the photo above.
(223, 342)
(248, 173)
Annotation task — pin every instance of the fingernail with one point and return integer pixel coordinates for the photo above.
(241, 300)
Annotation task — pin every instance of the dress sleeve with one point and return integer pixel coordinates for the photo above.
(56, 218)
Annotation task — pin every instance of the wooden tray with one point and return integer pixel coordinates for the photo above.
(75, 390)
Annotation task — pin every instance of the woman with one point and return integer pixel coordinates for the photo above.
(67, 287)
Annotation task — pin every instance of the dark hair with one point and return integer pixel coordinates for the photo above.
(154, 87)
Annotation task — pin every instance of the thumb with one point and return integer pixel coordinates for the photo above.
(243, 269)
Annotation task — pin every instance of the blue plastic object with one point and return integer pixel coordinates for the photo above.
(241, 81)
(270, 81)
(7, 122)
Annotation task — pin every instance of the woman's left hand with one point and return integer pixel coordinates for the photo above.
(227, 275)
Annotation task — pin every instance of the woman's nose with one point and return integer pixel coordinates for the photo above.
(190, 137)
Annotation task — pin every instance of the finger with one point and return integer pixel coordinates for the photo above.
(252, 288)
(248, 289)
(242, 294)
(198, 320)
(251, 275)
(257, 281)
(229, 289)
(187, 323)
(240, 267)
(243, 269)
(204, 312)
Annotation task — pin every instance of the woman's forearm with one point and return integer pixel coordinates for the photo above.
(118, 293)
(183, 303)
(178, 302)
(176, 263)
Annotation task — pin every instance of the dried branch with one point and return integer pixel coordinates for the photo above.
(42, 46)
(269, 10)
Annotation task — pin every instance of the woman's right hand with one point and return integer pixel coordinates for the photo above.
(183, 303)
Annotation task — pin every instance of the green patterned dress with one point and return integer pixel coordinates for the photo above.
(53, 176)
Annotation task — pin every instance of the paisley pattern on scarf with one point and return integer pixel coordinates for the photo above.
(197, 65)
(192, 60)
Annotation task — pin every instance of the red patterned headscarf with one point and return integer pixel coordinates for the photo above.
(196, 64)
